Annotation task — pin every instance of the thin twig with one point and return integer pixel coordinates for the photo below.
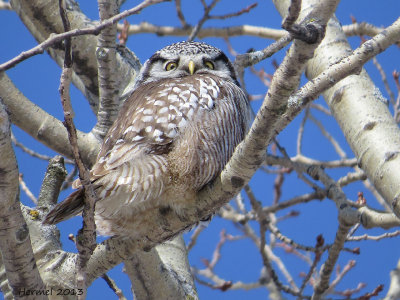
(262, 220)
(313, 267)
(235, 14)
(396, 75)
(321, 108)
(365, 237)
(87, 242)
(350, 265)
(181, 17)
(384, 79)
(56, 38)
(123, 35)
(35, 154)
(245, 60)
(300, 132)
(26, 189)
(207, 10)
(295, 167)
(70, 178)
(329, 137)
(193, 238)
(111, 283)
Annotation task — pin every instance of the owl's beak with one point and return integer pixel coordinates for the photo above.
(191, 67)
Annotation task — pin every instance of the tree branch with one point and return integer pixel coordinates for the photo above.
(15, 243)
(166, 266)
(106, 59)
(38, 14)
(42, 126)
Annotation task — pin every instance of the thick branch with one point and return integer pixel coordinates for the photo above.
(241, 30)
(106, 59)
(166, 266)
(15, 242)
(42, 126)
(360, 109)
(47, 28)
(52, 182)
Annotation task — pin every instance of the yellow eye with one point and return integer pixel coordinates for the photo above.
(171, 66)
(209, 65)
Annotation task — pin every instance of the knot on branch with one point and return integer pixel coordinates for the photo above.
(311, 32)
(348, 216)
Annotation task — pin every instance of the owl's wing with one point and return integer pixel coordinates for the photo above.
(131, 154)
(158, 116)
(155, 116)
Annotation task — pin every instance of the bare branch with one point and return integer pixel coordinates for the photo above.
(181, 17)
(87, 241)
(107, 69)
(32, 152)
(56, 38)
(42, 126)
(313, 267)
(223, 32)
(394, 289)
(235, 14)
(242, 30)
(293, 14)
(26, 189)
(351, 264)
(374, 238)
(266, 260)
(52, 182)
(384, 80)
(207, 10)
(300, 132)
(15, 243)
(327, 268)
(329, 137)
(111, 283)
(245, 60)
(5, 5)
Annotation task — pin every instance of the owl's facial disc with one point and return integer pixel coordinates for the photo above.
(186, 59)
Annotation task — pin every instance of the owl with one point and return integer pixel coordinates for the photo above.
(173, 135)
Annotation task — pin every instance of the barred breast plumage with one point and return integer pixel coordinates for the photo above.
(173, 135)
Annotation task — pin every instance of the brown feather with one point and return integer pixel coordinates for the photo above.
(66, 209)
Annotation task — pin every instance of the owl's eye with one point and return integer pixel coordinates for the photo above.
(171, 66)
(209, 65)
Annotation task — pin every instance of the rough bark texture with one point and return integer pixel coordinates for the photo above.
(42, 18)
(167, 265)
(362, 113)
(15, 242)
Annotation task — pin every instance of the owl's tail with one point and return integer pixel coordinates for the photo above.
(66, 209)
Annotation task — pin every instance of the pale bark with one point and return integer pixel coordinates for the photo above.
(394, 289)
(370, 130)
(41, 125)
(15, 243)
(42, 18)
(358, 29)
(107, 71)
(165, 266)
(361, 111)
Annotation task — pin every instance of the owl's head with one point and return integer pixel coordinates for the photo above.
(186, 59)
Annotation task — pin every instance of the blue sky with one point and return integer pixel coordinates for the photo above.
(38, 79)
